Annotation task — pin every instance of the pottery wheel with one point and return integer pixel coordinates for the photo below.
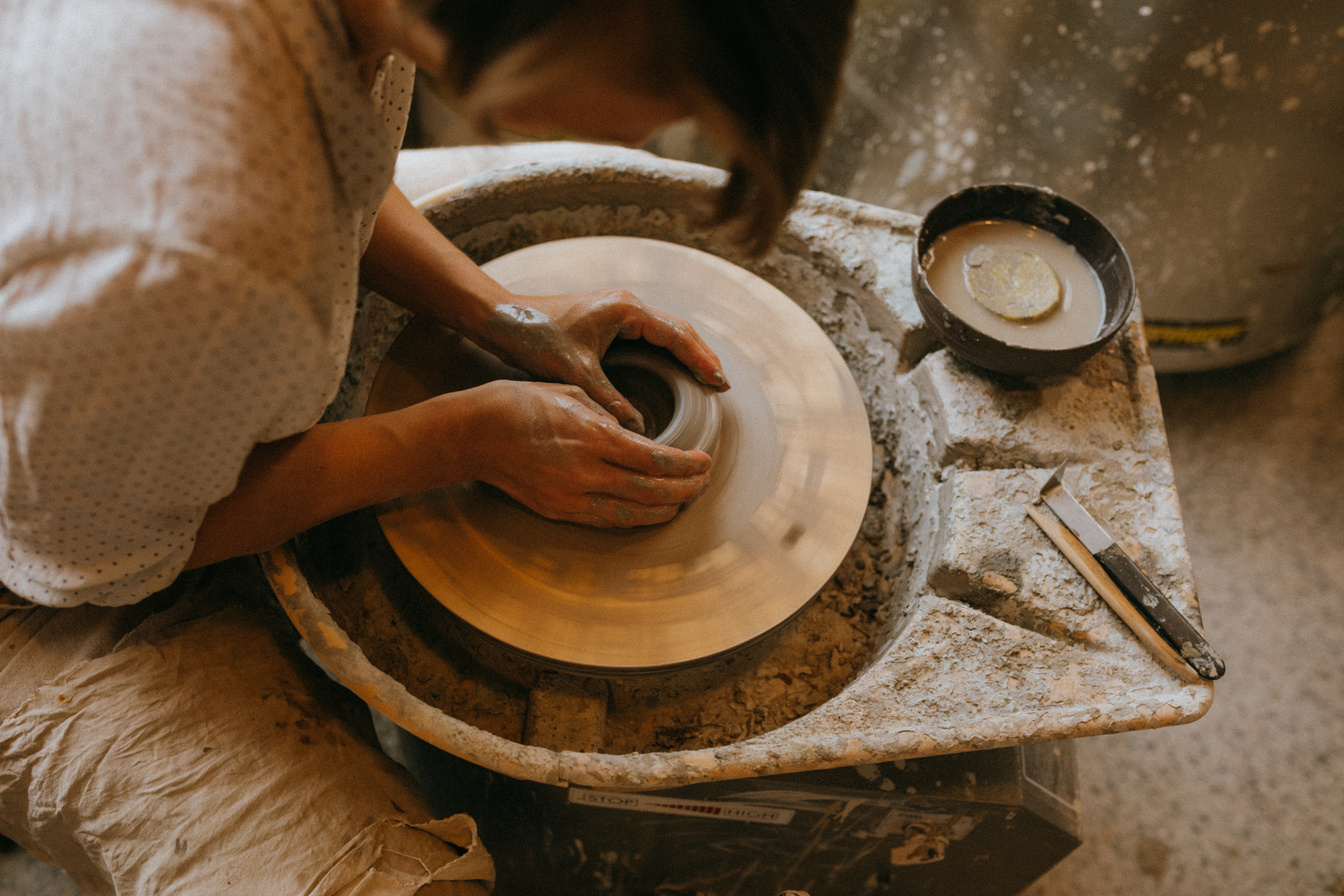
(786, 497)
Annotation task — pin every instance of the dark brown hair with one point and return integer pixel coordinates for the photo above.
(761, 76)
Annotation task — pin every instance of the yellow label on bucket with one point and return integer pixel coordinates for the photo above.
(1192, 334)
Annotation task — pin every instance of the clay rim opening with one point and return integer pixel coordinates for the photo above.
(678, 411)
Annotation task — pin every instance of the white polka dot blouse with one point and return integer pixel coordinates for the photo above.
(185, 190)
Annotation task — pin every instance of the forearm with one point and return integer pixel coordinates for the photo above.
(409, 262)
(286, 487)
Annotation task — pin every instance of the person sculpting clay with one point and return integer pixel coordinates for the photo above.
(191, 193)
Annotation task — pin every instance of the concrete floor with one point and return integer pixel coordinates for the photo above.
(1248, 799)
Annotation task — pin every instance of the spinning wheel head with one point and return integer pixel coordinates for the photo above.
(792, 466)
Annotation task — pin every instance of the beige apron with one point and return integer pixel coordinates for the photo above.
(186, 745)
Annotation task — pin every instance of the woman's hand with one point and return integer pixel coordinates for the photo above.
(549, 446)
(556, 338)
(563, 338)
(554, 449)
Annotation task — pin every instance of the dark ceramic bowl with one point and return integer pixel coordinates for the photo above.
(1041, 208)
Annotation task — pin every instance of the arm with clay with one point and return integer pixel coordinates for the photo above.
(557, 338)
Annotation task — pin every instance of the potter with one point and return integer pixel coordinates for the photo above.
(176, 305)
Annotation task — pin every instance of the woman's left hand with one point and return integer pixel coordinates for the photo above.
(559, 338)
(563, 338)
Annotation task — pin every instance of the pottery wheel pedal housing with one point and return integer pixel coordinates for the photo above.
(951, 623)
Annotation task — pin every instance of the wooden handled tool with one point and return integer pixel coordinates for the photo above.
(1142, 594)
(1096, 576)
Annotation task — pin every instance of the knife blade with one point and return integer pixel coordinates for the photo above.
(1165, 619)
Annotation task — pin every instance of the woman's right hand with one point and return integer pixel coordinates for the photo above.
(549, 446)
(553, 448)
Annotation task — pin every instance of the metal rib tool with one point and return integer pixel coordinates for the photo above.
(1165, 619)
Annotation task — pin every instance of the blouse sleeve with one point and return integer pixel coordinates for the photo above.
(129, 407)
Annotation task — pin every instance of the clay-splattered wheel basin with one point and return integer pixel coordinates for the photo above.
(951, 625)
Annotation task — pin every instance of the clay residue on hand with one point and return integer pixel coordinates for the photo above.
(533, 329)
(529, 339)
(523, 314)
